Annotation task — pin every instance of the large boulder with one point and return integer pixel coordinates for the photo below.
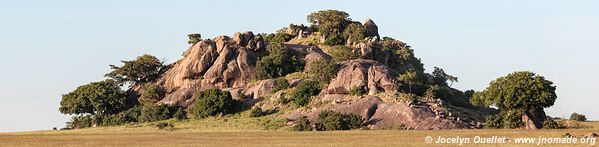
(533, 119)
(371, 29)
(369, 74)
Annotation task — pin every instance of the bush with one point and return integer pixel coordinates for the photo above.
(304, 91)
(302, 124)
(329, 120)
(281, 84)
(578, 117)
(131, 114)
(194, 38)
(166, 126)
(357, 91)
(151, 93)
(180, 114)
(150, 113)
(408, 98)
(334, 39)
(323, 70)
(279, 37)
(112, 120)
(279, 62)
(354, 32)
(343, 53)
(493, 122)
(82, 121)
(549, 123)
(212, 102)
(257, 112)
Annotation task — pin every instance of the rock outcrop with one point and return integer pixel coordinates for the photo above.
(368, 74)
(371, 28)
(380, 115)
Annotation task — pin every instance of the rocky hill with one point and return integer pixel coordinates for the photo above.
(229, 63)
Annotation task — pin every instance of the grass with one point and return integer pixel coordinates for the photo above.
(239, 130)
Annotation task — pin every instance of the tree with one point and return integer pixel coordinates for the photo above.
(104, 97)
(329, 120)
(329, 21)
(279, 62)
(517, 93)
(410, 78)
(578, 117)
(212, 102)
(343, 53)
(143, 69)
(150, 93)
(153, 112)
(194, 38)
(303, 92)
(354, 32)
(441, 78)
(323, 70)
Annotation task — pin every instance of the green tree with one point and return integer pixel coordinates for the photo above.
(516, 93)
(323, 70)
(441, 78)
(303, 92)
(343, 53)
(212, 102)
(143, 69)
(329, 120)
(194, 38)
(329, 21)
(354, 32)
(279, 62)
(151, 93)
(409, 77)
(334, 39)
(578, 117)
(104, 97)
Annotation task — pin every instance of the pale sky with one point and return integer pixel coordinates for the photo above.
(48, 48)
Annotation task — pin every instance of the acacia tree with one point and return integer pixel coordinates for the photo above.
(143, 69)
(194, 38)
(518, 92)
(329, 21)
(104, 97)
(441, 78)
(409, 77)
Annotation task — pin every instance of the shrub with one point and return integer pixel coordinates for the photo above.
(323, 70)
(357, 91)
(280, 84)
(180, 114)
(354, 32)
(131, 114)
(329, 120)
(578, 117)
(279, 62)
(343, 53)
(81, 121)
(194, 38)
(112, 120)
(334, 39)
(549, 123)
(151, 93)
(166, 126)
(408, 98)
(304, 91)
(150, 113)
(279, 37)
(257, 112)
(302, 124)
(212, 102)
(493, 122)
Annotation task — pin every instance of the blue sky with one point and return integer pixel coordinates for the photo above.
(48, 48)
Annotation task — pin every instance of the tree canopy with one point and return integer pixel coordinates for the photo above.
(104, 97)
(329, 21)
(522, 90)
(279, 62)
(143, 69)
